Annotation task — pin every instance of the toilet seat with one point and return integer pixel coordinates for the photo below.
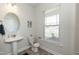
(36, 45)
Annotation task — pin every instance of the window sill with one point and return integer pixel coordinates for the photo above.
(53, 39)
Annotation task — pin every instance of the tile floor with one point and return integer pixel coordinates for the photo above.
(40, 52)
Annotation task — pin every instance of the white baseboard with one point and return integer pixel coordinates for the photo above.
(9, 54)
(4, 53)
(50, 51)
(77, 53)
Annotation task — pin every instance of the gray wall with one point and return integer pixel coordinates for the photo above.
(24, 12)
(67, 29)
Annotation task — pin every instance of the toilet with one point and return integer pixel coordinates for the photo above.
(35, 47)
(34, 44)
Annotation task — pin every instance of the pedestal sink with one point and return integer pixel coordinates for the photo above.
(12, 24)
(13, 41)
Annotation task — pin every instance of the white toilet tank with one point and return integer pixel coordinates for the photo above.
(31, 40)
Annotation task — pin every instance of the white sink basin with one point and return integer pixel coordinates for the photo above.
(12, 39)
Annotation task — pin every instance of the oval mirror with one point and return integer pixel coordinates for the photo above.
(11, 22)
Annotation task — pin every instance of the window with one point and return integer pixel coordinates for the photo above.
(52, 25)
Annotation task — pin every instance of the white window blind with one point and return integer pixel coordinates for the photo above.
(52, 24)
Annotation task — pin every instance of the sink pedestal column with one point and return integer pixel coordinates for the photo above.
(14, 48)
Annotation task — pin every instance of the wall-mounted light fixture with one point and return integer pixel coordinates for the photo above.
(12, 4)
(11, 7)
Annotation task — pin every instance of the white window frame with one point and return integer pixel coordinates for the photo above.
(53, 12)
